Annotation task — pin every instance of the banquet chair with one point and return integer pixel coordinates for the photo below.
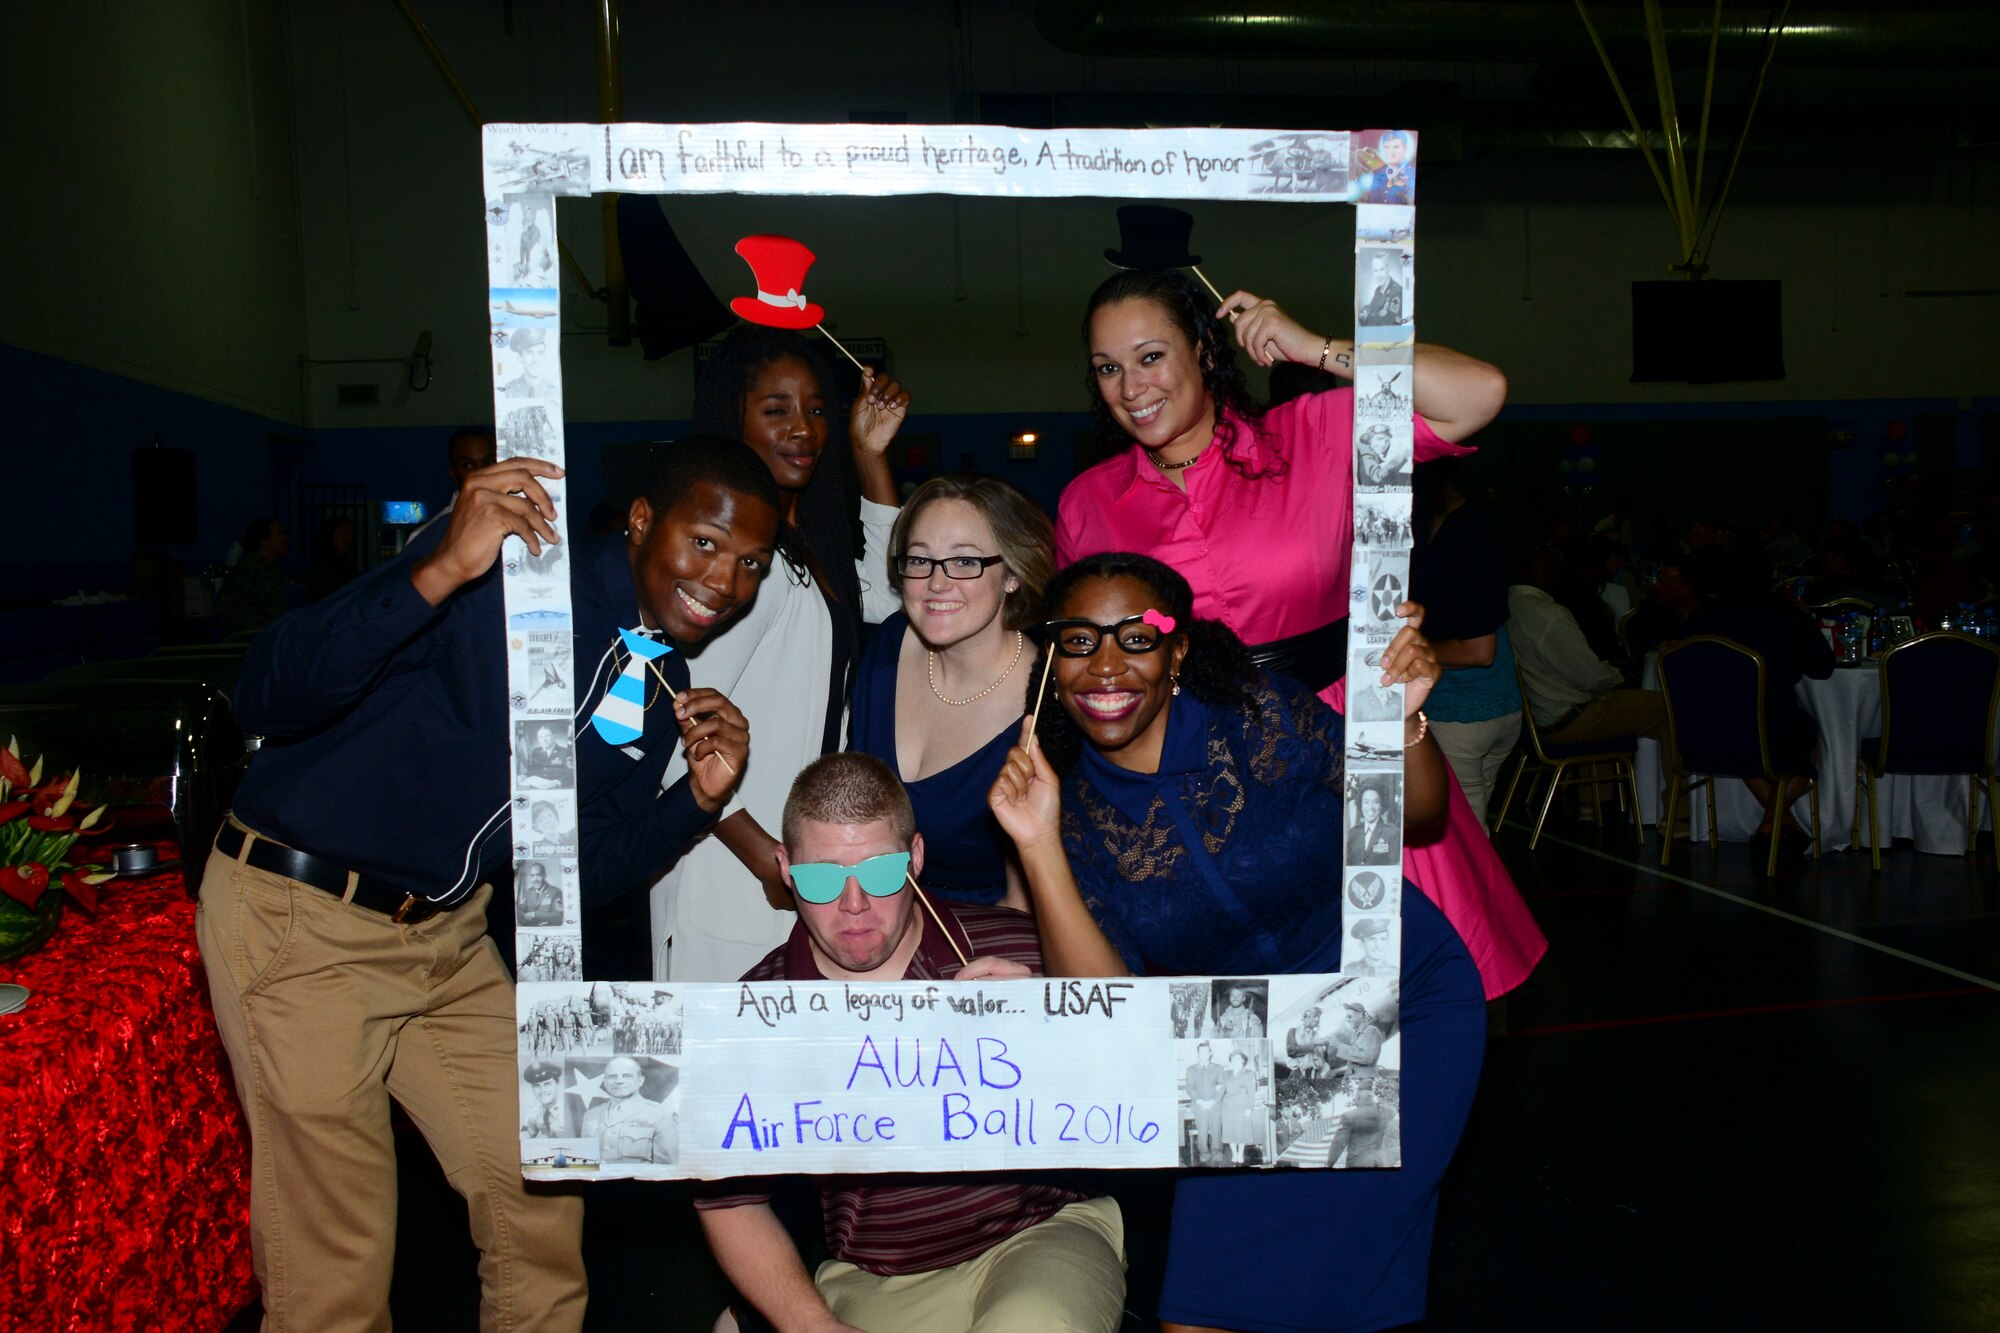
(1716, 727)
(1942, 693)
(1835, 605)
(1557, 759)
(1625, 632)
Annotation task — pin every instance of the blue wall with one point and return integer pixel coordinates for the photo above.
(68, 464)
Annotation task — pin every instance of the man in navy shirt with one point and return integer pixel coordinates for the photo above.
(343, 909)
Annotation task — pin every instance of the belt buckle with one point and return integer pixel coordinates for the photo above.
(412, 911)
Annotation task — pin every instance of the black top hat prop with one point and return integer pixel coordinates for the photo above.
(1156, 237)
(1153, 236)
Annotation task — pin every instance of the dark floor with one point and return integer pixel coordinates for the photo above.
(1722, 1103)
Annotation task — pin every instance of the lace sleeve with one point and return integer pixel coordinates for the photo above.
(1097, 879)
(1294, 736)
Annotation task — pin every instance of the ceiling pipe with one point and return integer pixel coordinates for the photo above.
(1938, 34)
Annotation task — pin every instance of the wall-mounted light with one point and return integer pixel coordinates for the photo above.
(1021, 447)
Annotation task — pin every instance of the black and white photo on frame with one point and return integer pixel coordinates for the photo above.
(1384, 286)
(627, 1103)
(1237, 1006)
(539, 899)
(548, 956)
(562, 1024)
(1382, 584)
(1382, 392)
(521, 241)
(544, 755)
(529, 432)
(1383, 457)
(1225, 1088)
(1372, 946)
(524, 363)
(1383, 520)
(1374, 817)
(1370, 701)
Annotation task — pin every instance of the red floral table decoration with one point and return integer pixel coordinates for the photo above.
(124, 1162)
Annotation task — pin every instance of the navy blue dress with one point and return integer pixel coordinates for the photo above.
(1226, 862)
(965, 851)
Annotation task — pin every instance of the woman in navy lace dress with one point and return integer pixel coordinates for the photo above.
(1195, 829)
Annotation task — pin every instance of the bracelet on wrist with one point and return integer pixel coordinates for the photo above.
(1325, 347)
(1423, 729)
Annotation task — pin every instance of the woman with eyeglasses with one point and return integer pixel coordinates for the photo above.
(938, 694)
(787, 660)
(1256, 507)
(1179, 813)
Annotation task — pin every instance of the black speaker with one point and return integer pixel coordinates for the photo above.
(1707, 332)
(676, 306)
(163, 512)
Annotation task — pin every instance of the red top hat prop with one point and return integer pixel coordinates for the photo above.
(780, 265)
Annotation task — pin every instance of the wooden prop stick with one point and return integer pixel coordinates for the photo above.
(651, 666)
(1211, 289)
(849, 355)
(911, 881)
(1041, 693)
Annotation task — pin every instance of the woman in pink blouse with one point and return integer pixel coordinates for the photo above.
(1255, 508)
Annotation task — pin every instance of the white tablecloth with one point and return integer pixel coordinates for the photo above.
(1848, 707)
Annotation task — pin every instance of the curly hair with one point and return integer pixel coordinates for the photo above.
(1189, 308)
(1218, 669)
(829, 522)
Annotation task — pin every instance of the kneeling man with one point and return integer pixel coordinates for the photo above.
(928, 1253)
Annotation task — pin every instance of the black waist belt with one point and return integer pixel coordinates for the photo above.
(398, 905)
(1315, 659)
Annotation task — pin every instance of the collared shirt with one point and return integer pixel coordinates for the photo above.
(1267, 557)
(886, 1224)
(1557, 666)
(386, 730)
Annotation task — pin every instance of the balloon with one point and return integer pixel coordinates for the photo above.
(1587, 465)
(1580, 435)
(1898, 429)
(1564, 466)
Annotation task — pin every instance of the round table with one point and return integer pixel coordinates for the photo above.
(1847, 706)
(124, 1164)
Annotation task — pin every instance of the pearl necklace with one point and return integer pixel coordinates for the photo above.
(931, 654)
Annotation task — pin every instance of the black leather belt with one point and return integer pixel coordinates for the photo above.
(398, 905)
(1315, 659)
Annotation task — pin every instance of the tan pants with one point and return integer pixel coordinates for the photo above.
(328, 1010)
(1617, 713)
(1065, 1273)
(1477, 751)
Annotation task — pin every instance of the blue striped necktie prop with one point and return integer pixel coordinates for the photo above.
(620, 717)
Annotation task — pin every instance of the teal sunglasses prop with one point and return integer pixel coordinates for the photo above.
(880, 876)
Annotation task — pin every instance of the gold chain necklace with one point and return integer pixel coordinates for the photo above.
(1176, 467)
(931, 654)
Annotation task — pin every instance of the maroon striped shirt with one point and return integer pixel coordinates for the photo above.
(878, 1222)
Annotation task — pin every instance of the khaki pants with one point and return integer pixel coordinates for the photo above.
(1065, 1273)
(1617, 713)
(328, 1010)
(1477, 751)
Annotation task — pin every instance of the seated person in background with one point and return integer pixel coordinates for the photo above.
(253, 591)
(1789, 639)
(939, 1254)
(1847, 568)
(1662, 616)
(1573, 694)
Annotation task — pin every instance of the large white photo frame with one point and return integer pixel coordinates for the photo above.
(750, 1080)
